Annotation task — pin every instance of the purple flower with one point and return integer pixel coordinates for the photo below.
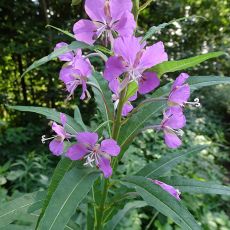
(168, 188)
(115, 87)
(94, 153)
(76, 73)
(180, 92)
(68, 56)
(109, 16)
(171, 125)
(133, 59)
(56, 146)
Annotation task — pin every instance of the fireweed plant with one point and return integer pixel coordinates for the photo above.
(86, 182)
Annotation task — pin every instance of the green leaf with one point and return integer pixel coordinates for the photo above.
(71, 125)
(63, 166)
(156, 197)
(78, 119)
(75, 2)
(131, 90)
(111, 225)
(195, 186)
(16, 227)
(62, 31)
(70, 192)
(155, 29)
(73, 46)
(103, 97)
(138, 121)
(197, 82)
(28, 203)
(168, 162)
(173, 66)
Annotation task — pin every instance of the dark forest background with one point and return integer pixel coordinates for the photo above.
(25, 164)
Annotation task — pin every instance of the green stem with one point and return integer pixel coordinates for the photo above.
(115, 134)
(102, 206)
(136, 5)
(117, 123)
(145, 5)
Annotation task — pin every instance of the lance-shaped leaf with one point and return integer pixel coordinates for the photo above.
(195, 82)
(111, 225)
(78, 119)
(70, 192)
(168, 205)
(103, 96)
(173, 66)
(73, 46)
(155, 29)
(138, 121)
(10, 211)
(63, 166)
(195, 186)
(167, 163)
(72, 126)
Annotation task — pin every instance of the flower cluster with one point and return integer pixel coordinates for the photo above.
(130, 62)
(87, 147)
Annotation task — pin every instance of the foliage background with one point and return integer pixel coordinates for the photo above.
(25, 164)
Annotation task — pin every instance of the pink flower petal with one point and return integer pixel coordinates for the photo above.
(179, 95)
(180, 80)
(148, 82)
(87, 138)
(119, 7)
(153, 55)
(68, 56)
(172, 140)
(110, 147)
(56, 147)
(79, 63)
(85, 31)
(59, 130)
(127, 108)
(127, 48)
(76, 152)
(175, 120)
(168, 188)
(63, 119)
(105, 167)
(113, 68)
(95, 10)
(125, 25)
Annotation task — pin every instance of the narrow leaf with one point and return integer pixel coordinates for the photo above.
(156, 197)
(73, 46)
(78, 119)
(62, 31)
(103, 97)
(10, 211)
(195, 186)
(111, 225)
(70, 192)
(63, 166)
(155, 29)
(173, 66)
(71, 125)
(138, 120)
(197, 82)
(167, 163)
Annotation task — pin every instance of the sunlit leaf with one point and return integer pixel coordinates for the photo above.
(173, 66)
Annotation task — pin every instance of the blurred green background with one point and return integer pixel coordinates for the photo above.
(26, 164)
